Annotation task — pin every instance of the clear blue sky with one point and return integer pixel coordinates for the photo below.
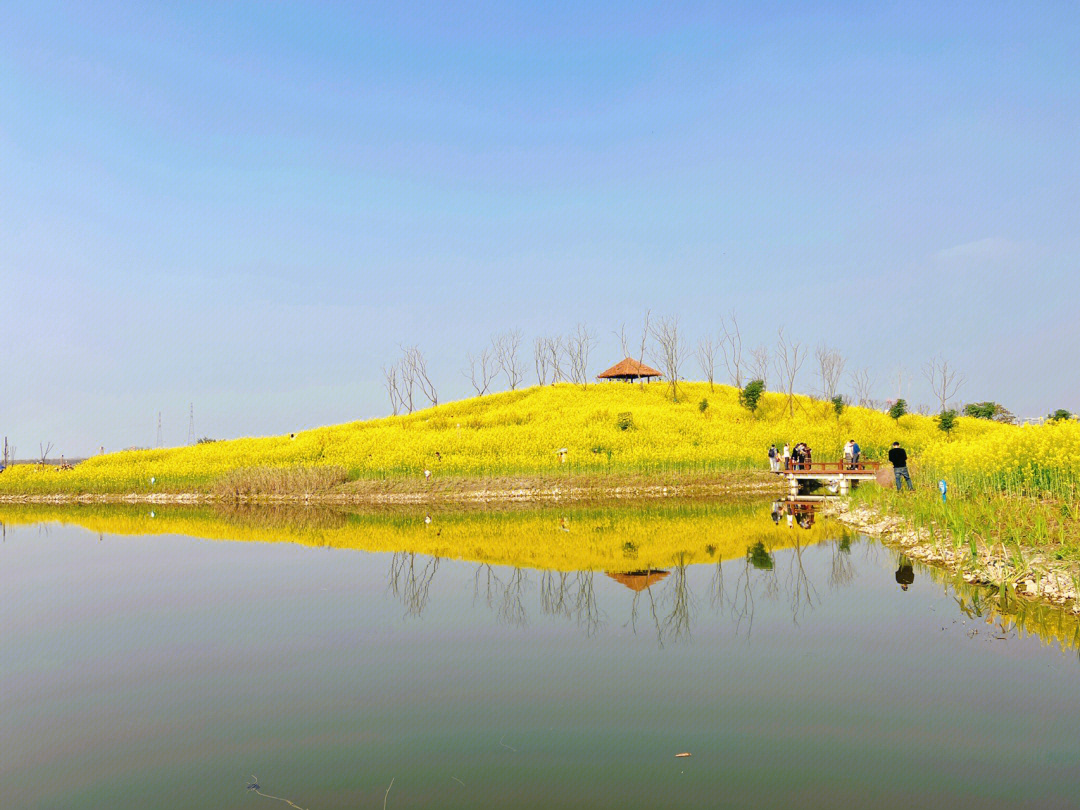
(250, 206)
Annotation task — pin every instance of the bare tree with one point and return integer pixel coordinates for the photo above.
(945, 381)
(759, 364)
(578, 346)
(481, 371)
(624, 343)
(902, 379)
(553, 346)
(414, 369)
(540, 361)
(45, 448)
(706, 357)
(669, 351)
(506, 348)
(731, 346)
(788, 360)
(393, 383)
(863, 382)
(644, 343)
(830, 368)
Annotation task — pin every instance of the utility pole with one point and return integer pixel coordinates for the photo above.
(5, 452)
(191, 424)
(159, 428)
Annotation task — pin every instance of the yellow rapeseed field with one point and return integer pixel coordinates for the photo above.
(611, 426)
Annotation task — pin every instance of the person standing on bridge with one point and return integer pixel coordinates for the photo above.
(848, 454)
(787, 456)
(856, 451)
(774, 458)
(898, 457)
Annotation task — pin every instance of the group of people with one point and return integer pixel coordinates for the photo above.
(800, 457)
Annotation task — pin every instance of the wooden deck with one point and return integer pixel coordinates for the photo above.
(831, 472)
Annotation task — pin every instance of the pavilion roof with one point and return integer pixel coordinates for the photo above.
(638, 580)
(629, 368)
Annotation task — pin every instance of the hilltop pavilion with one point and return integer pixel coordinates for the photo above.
(629, 370)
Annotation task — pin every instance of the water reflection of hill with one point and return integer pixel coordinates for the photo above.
(622, 539)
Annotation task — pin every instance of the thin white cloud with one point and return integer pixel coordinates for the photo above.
(990, 250)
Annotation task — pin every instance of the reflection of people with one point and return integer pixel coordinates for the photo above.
(776, 512)
(898, 457)
(790, 521)
(806, 520)
(905, 574)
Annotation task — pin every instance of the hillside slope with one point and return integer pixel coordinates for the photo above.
(603, 428)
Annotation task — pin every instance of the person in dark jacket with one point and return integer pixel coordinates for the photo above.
(898, 457)
(905, 573)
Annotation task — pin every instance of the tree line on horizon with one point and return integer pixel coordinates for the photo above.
(565, 358)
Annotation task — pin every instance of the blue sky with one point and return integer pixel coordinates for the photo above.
(249, 207)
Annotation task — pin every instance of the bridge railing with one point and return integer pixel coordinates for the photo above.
(832, 467)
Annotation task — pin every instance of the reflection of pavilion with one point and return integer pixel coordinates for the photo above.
(638, 581)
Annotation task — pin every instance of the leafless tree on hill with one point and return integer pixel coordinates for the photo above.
(669, 351)
(578, 346)
(731, 346)
(556, 353)
(789, 358)
(414, 367)
(759, 364)
(506, 348)
(624, 342)
(393, 383)
(706, 357)
(863, 382)
(830, 368)
(45, 448)
(541, 360)
(945, 381)
(481, 371)
(644, 344)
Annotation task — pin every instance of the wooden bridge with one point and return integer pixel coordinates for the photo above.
(841, 473)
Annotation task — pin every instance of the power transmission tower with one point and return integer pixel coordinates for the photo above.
(159, 428)
(191, 424)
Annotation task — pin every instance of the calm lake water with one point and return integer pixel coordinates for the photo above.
(166, 671)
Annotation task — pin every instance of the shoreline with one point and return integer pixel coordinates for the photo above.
(1040, 579)
(508, 489)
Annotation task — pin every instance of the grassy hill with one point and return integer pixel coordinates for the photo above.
(606, 428)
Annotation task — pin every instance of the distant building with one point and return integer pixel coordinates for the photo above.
(629, 370)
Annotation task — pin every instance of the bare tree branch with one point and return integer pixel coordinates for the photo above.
(945, 381)
(46, 448)
(863, 382)
(789, 359)
(415, 369)
(578, 346)
(706, 357)
(555, 352)
(731, 346)
(830, 367)
(669, 351)
(392, 382)
(759, 364)
(506, 348)
(481, 371)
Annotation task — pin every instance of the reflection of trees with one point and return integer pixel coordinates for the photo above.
(512, 607)
(572, 595)
(411, 582)
(841, 568)
(802, 590)
(677, 622)
(646, 595)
